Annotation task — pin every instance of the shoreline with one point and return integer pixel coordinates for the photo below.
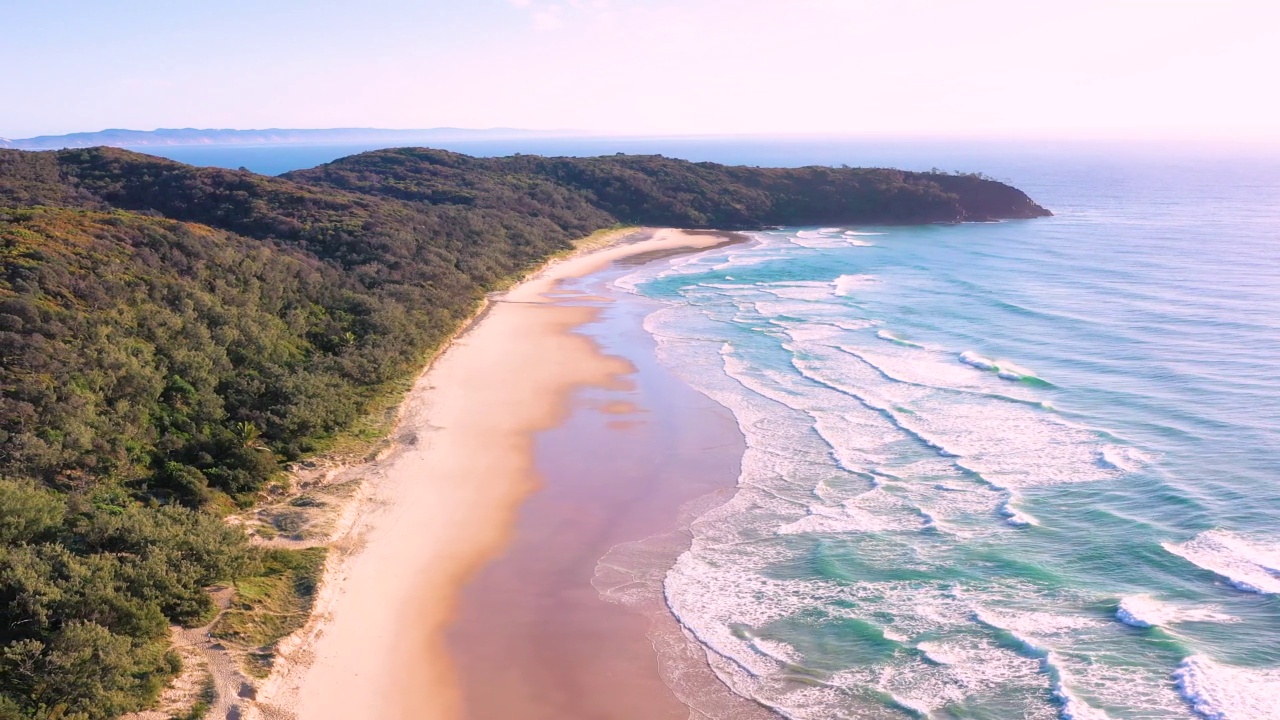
(441, 501)
(540, 635)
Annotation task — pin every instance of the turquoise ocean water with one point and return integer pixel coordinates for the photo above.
(1017, 470)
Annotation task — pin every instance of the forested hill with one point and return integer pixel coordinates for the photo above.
(170, 335)
(654, 190)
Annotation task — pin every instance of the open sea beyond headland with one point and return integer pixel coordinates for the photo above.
(1017, 470)
(1025, 469)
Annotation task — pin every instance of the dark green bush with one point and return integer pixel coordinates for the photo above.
(170, 334)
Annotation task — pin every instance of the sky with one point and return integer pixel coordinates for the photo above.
(939, 68)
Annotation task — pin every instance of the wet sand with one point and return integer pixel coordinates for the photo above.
(533, 639)
(448, 499)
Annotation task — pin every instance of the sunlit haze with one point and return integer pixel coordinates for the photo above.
(914, 67)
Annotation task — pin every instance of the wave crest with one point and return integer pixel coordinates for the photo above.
(1222, 692)
(1003, 368)
(1245, 563)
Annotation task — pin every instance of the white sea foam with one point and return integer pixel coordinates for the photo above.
(1014, 516)
(870, 511)
(916, 706)
(886, 335)
(813, 291)
(741, 260)
(848, 434)
(1010, 371)
(690, 264)
(1008, 444)
(1249, 564)
(822, 519)
(828, 240)
(970, 357)
(1124, 458)
(854, 324)
(776, 649)
(960, 666)
(719, 585)
(1143, 611)
(890, 634)
(1027, 629)
(1222, 692)
(816, 240)
(846, 284)
(1073, 707)
(938, 653)
(918, 368)
(1025, 624)
(1003, 368)
(978, 667)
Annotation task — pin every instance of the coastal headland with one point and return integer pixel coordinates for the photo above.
(445, 499)
(193, 351)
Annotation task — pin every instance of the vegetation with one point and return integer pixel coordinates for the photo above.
(170, 335)
(88, 585)
(654, 190)
(207, 696)
(272, 603)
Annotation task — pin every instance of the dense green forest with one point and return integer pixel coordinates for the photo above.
(654, 190)
(170, 335)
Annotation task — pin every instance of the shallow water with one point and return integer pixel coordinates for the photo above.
(1025, 469)
(531, 638)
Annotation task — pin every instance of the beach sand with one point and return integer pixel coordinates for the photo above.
(533, 639)
(447, 500)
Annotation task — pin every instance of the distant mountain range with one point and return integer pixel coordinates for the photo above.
(273, 136)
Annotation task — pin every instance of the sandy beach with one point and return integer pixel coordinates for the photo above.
(564, 622)
(445, 500)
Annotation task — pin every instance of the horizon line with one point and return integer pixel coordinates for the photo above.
(1145, 139)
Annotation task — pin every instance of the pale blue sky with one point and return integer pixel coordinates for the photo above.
(1126, 68)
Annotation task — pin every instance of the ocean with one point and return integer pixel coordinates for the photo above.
(1025, 469)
